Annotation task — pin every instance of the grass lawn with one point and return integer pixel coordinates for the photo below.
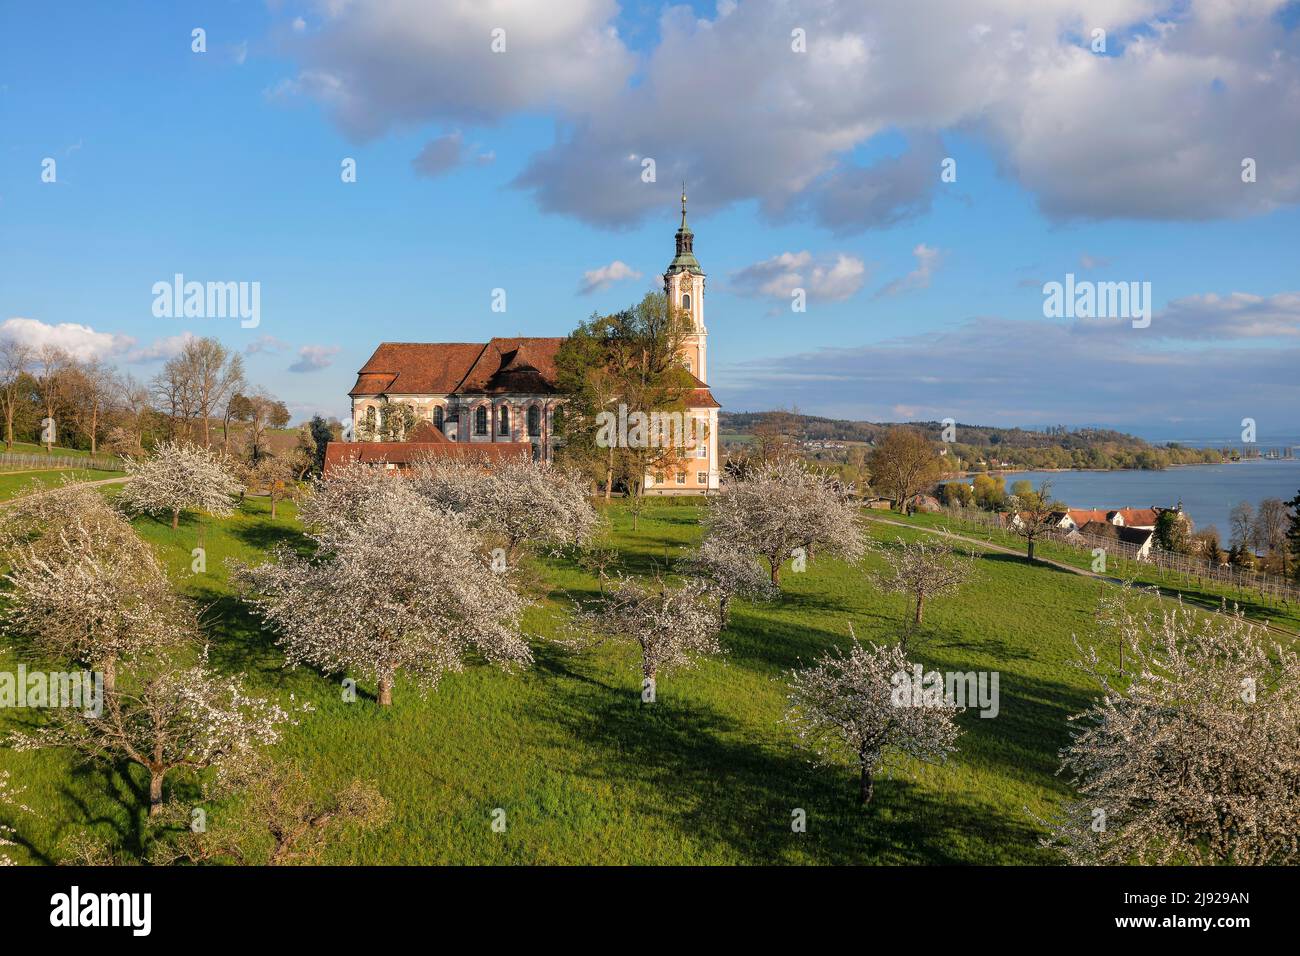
(1194, 589)
(586, 774)
(13, 484)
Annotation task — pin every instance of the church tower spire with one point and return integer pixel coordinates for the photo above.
(684, 286)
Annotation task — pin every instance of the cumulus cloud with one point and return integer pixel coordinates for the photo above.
(605, 276)
(830, 278)
(927, 261)
(80, 341)
(990, 370)
(380, 64)
(313, 358)
(1185, 94)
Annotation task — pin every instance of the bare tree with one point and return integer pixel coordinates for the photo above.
(197, 382)
(782, 505)
(1269, 530)
(847, 707)
(273, 816)
(277, 477)
(179, 477)
(1192, 753)
(903, 463)
(671, 625)
(923, 569)
(176, 719)
(90, 388)
(400, 588)
(15, 359)
(730, 573)
(51, 379)
(1031, 515)
(1241, 521)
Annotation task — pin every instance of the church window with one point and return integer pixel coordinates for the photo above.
(534, 421)
(370, 420)
(690, 367)
(686, 300)
(681, 477)
(701, 477)
(480, 420)
(439, 417)
(504, 415)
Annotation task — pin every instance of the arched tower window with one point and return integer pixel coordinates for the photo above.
(686, 301)
(480, 420)
(504, 415)
(534, 421)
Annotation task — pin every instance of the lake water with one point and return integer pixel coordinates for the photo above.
(1207, 492)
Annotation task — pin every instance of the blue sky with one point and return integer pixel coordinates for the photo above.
(817, 169)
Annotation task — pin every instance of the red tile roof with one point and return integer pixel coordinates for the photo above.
(443, 368)
(1081, 516)
(406, 452)
(1138, 517)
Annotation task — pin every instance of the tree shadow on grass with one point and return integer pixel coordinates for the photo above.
(238, 638)
(702, 773)
(264, 536)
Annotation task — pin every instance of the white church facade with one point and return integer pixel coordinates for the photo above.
(503, 392)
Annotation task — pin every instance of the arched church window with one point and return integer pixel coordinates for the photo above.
(504, 427)
(370, 420)
(439, 417)
(686, 300)
(480, 420)
(534, 421)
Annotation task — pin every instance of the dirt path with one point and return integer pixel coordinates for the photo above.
(1166, 593)
(80, 484)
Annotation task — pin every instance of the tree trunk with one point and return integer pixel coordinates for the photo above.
(155, 793)
(273, 507)
(176, 518)
(1031, 549)
(866, 785)
(920, 603)
(776, 571)
(385, 692)
(108, 667)
(609, 475)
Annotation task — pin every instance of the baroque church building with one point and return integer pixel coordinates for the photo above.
(498, 398)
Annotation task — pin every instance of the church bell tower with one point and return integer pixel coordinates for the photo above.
(684, 286)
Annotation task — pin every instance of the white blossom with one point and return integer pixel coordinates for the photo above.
(729, 573)
(843, 709)
(782, 505)
(396, 585)
(923, 569)
(672, 626)
(180, 476)
(188, 718)
(1192, 753)
(10, 796)
(522, 501)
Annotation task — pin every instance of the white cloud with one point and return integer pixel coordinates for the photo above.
(1238, 315)
(80, 341)
(313, 358)
(268, 344)
(927, 261)
(829, 278)
(380, 64)
(439, 156)
(159, 350)
(605, 276)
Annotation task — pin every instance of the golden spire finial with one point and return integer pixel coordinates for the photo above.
(683, 197)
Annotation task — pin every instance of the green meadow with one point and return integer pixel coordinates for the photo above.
(586, 773)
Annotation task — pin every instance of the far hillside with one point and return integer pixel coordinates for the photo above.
(974, 447)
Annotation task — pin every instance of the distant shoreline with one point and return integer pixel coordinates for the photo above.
(1189, 464)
